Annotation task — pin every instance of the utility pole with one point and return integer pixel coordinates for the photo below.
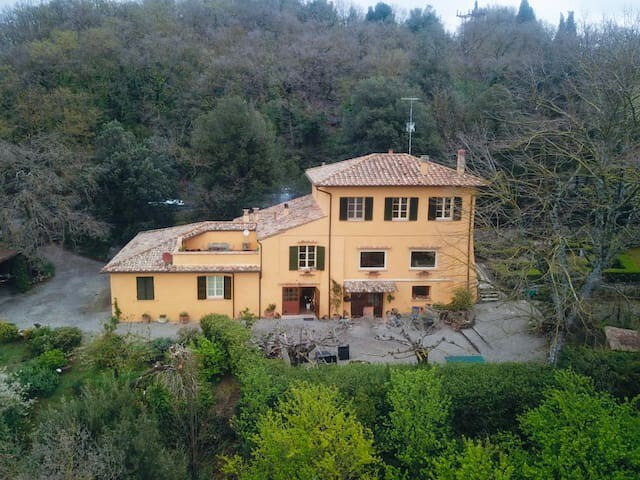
(411, 127)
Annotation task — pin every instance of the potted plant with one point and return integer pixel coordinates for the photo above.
(146, 318)
(162, 318)
(269, 312)
(390, 298)
(184, 317)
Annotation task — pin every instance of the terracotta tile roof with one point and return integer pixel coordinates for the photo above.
(144, 252)
(273, 220)
(369, 286)
(388, 169)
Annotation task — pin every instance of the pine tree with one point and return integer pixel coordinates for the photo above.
(525, 13)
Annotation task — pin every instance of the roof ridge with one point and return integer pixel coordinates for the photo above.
(354, 163)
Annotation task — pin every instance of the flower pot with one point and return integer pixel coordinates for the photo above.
(184, 318)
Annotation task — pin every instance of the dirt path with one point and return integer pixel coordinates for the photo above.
(77, 295)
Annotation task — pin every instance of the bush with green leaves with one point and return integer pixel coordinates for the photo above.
(615, 372)
(419, 423)
(52, 359)
(578, 432)
(21, 273)
(311, 433)
(38, 381)
(231, 336)
(212, 363)
(8, 332)
(489, 398)
(118, 352)
(39, 340)
(160, 346)
(476, 460)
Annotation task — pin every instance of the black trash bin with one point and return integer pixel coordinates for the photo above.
(343, 352)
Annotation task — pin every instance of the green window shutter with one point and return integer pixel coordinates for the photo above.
(150, 289)
(413, 208)
(319, 258)
(388, 206)
(368, 208)
(144, 288)
(293, 258)
(227, 288)
(140, 288)
(202, 288)
(457, 208)
(343, 208)
(432, 208)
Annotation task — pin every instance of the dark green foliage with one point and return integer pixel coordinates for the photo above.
(231, 337)
(488, 398)
(39, 340)
(160, 346)
(51, 359)
(525, 13)
(8, 332)
(20, 273)
(617, 373)
(380, 13)
(38, 380)
(212, 362)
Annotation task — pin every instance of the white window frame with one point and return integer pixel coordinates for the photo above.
(355, 209)
(215, 287)
(427, 297)
(307, 257)
(445, 207)
(400, 209)
(372, 268)
(435, 262)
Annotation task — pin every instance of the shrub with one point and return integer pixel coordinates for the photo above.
(37, 381)
(8, 332)
(160, 346)
(462, 300)
(20, 272)
(52, 359)
(211, 358)
(615, 372)
(489, 398)
(39, 340)
(231, 336)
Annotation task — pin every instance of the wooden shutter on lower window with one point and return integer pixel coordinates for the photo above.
(388, 207)
(433, 204)
(413, 209)
(368, 208)
(202, 288)
(227, 288)
(319, 258)
(457, 208)
(293, 258)
(343, 208)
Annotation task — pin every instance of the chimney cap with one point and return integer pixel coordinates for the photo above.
(167, 258)
(390, 151)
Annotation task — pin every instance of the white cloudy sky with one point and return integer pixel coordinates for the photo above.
(548, 10)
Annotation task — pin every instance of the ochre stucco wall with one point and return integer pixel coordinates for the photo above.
(177, 292)
(235, 240)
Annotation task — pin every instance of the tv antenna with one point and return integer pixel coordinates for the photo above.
(411, 126)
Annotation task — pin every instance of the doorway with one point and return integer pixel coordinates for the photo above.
(361, 300)
(300, 300)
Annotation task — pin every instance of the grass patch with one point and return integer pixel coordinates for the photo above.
(12, 355)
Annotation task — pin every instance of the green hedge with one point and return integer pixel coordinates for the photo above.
(487, 398)
(8, 332)
(615, 372)
(626, 268)
(40, 340)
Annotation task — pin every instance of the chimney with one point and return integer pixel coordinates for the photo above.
(390, 151)
(462, 163)
(167, 258)
(286, 209)
(255, 214)
(424, 164)
(245, 215)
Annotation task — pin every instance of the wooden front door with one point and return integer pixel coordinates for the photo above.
(361, 300)
(290, 300)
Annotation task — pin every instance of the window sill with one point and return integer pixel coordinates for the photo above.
(421, 298)
(372, 269)
(400, 219)
(423, 269)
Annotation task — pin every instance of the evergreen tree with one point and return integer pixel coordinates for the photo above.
(525, 13)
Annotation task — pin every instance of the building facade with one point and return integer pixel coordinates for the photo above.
(379, 232)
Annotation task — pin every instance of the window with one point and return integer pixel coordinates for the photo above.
(400, 208)
(373, 260)
(307, 256)
(290, 294)
(445, 208)
(423, 259)
(145, 288)
(215, 286)
(355, 208)
(419, 292)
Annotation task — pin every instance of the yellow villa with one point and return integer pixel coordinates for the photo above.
(378, 232)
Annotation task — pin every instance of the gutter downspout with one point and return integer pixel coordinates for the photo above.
(233, 295)
(471, 211)
(329, 248)
(259, 279)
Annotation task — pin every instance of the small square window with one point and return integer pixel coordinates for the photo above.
(423, 259)
(420, 292)
(307, 256)
(145, 288)
(373, 260)
(444, 208)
